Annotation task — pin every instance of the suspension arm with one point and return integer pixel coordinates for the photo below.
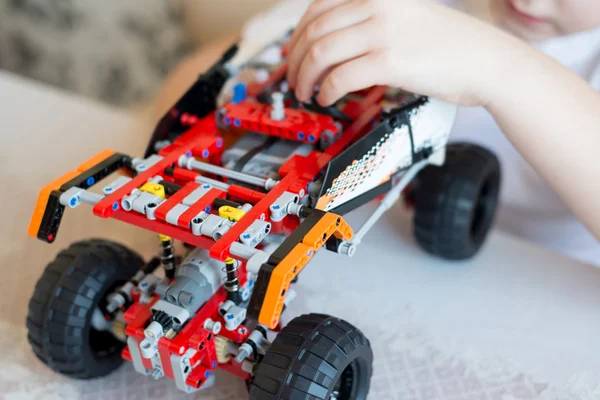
(349, 247)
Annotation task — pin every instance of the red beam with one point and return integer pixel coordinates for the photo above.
(204, 136)
(185, 175)
(245, 194)
(298, 125)
(167, 205)
(220, 250)
(206, 125)
(185, 235)
(205, 201)
(308, 167)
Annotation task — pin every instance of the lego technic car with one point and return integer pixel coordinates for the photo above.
(253, 183)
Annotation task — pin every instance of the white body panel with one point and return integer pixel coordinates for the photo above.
(431, 125)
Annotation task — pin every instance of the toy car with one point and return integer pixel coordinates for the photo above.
(253, 183)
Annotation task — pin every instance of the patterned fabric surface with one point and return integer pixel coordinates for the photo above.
(112, 50)
(409, 364)
(401, 373)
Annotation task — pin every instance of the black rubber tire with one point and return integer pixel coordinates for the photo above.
(63, 301)
(455, 204)
(309, 357)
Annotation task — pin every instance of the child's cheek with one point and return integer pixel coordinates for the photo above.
(578, 15)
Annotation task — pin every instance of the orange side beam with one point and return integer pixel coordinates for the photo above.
(40, 205)
(44, 195)
(95, 160)
(281, 277)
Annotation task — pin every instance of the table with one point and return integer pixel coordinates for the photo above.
(515, 322)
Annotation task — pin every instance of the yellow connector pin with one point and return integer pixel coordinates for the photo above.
(231, 213)
(157, 190)
(154, 188)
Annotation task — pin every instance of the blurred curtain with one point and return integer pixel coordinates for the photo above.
(112, 50)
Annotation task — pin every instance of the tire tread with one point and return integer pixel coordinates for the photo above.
(445, 197)
(316, 347)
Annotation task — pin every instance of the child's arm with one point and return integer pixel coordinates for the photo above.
(552, 117)
(550, 114)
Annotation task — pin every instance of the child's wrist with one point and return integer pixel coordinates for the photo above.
(509, 68)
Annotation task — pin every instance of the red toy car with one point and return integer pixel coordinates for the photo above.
(253, 183)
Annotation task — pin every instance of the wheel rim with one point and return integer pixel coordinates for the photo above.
(104, 344)
(347, 384)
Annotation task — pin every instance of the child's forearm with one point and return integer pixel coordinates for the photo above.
(553, 118)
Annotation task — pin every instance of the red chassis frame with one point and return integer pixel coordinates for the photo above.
(202, 140)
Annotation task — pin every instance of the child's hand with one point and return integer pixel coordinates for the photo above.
(418, 45)
(548, 112)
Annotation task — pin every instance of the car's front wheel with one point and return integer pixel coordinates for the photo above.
(315, 357)
(66, 297)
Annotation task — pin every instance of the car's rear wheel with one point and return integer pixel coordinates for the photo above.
(455, 204)
(71, 289)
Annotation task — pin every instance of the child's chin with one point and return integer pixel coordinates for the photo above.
(504, 18)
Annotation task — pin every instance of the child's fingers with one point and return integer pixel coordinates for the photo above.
(357, 74)
(335, 19)
(316, 9)
(333, 49)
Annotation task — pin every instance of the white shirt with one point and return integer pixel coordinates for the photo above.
(528, 209)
